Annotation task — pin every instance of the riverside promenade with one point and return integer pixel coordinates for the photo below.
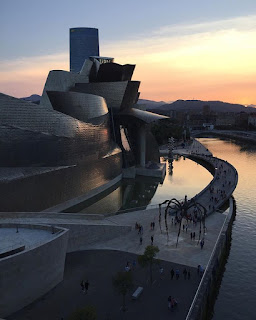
(245, 136)
(101, 260)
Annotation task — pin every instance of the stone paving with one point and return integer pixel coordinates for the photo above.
(98, 267)
(11, 239)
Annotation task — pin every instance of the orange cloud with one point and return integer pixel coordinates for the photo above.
(25, 76)
(208, 61)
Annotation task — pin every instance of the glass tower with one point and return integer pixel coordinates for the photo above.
(84, 42)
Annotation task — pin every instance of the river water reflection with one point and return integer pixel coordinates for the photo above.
(237, 292)
(185, 178)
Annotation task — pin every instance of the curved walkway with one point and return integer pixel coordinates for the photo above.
(225, 178)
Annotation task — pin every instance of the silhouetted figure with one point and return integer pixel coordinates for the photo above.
(86, 286)
(169, 302)
(198, 269)
(177, 272)
(172, 274)
(202, 243)
(82, 285)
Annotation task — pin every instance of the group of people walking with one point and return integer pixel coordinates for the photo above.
(186, 274)
(139, 227)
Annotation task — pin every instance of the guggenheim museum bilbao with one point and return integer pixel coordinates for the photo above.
(86, 132)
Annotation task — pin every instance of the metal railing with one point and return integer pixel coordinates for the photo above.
(209, 262)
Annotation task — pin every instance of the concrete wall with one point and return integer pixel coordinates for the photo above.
(82, 235)
(30, 274)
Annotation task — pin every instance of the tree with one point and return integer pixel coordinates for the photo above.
(87, 313)
(148, 259)
(165, 129)
(123, 283)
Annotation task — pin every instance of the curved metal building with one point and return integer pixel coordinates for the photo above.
(85, 131)
(84, 43)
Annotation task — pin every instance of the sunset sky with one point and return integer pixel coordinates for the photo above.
(182, 49)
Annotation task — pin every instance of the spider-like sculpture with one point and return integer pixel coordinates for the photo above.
(187, 209)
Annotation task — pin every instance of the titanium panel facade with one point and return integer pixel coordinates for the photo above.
(118, 95)
(84, 42)
(59, 80)
(81, 106)
(33, 136)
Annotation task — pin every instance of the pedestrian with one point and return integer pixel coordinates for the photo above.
(194, 235)
(202, 243)
(153, 225)
(183, 226)
(169, 302)
(172, 274)
(86, 286)
(161, 271)
(185, 273)
(186, 228)
(191, 235)
(139, 228)
(201, 271)
(82, 285)
(140, 240)
(174, 303)
(152, 240)
(127, 267)
(177, 272)
(189, 275)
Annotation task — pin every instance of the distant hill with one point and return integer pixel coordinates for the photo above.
(150, 104)
(35, 98)
(197, 106)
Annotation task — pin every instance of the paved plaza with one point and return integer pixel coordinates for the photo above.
(98, 267)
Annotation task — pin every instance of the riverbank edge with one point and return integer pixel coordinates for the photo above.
(207, 292)
(226, 135)
(203, 303)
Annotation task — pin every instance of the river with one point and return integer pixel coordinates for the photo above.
(236, 296)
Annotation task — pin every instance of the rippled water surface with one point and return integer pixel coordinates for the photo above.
(237, 295)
